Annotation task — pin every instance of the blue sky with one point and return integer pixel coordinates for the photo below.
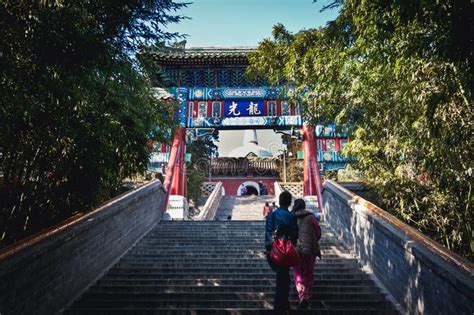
(228, 23)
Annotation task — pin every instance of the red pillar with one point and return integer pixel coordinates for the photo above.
(312, 185)
(179, 176)
(176, 173)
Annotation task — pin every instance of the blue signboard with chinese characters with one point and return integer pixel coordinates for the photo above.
(243, 108)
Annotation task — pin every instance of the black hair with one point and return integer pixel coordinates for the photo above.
(266, 204)
(285, 199)
(299, 204)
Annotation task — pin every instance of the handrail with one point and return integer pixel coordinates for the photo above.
(68, 223)
(212, 203)
(278, 189)
(444, 253)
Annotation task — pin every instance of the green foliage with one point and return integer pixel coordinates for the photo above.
(399, 74)
(198, 169)
(76, 111)
(294, 167)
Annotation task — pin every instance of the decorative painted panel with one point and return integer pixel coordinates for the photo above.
(271, 108)
(333, 166)
(329, 131)
(331, 156)
(216, 110)
(233, 76)
(242, 122)
(285, 108)
(244, 93)
(331, 145)
(202, 109)
(229, 93)
(243, 108)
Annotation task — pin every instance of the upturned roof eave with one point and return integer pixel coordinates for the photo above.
(169, 53)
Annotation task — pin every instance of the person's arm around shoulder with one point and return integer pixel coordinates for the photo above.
(269, 230)
(293, 227)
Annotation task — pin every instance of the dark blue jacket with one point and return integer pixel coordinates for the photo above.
(275, 219)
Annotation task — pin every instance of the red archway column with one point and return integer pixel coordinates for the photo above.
(175, 181)
(312, 185)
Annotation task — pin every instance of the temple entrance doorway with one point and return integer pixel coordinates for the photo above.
(252, 189)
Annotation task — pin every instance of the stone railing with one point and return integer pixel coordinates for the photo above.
(422, 276)
(209, 210)
(207, 188)
(295, 188)
(278, 189)
(178, 208)
(46, 272)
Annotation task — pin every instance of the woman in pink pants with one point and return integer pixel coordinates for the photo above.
(309, 233)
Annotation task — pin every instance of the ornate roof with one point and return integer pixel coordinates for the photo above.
(177, 54)
(201, 66)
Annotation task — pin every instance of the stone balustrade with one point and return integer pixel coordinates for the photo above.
(212, 203)
(422, 276)
(44, 273)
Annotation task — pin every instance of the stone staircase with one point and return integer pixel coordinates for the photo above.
(242, 207)
(218, 267)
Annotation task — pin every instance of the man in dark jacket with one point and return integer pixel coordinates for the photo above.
(284, 223)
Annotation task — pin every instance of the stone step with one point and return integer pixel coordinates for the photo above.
(260, 264)
(217, 241)
(256, 276)
(219, 267)
(226, 269)
(110, 281)
(199, 257)
(269, 288)
(226, 261)
(212, 245)
(236, 238)
(221, 241)
(228, 250)
(257, 303)
(234, 296)
(226, 311)
(177, 250)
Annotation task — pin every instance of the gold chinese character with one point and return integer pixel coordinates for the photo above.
(253, 109)
(233, 109)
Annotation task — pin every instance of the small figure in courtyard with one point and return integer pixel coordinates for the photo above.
(284, 223)
(243, 190)
(309, 233)
(266, 209)
(274, 206)
(229, 217)
(262, 188)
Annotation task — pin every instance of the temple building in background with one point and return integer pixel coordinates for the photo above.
(215, 94)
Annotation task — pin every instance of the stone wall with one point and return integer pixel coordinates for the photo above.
(421, 275)
(46, 272)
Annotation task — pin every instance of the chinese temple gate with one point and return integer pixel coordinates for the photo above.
(214, 94)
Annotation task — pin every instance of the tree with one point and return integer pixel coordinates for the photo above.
(198, 169)
(399, 76)
(76, 109)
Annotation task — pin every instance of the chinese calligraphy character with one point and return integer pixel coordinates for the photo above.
(233, 109)
(253, 109)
